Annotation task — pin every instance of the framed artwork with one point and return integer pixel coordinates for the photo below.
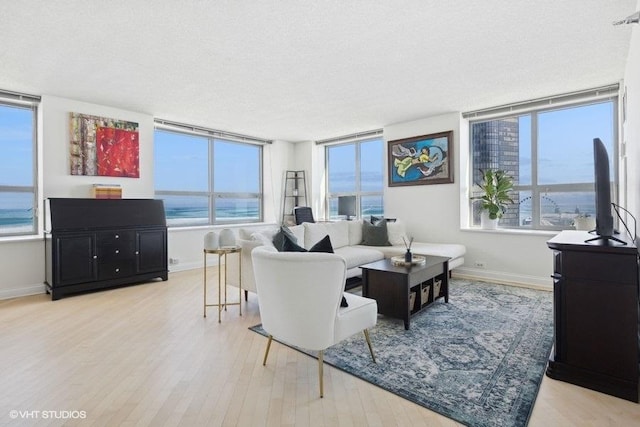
(104, 147)
(420, 160)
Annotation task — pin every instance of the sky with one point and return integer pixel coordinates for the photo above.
(181, 163)
(565, 143)
(16, 146)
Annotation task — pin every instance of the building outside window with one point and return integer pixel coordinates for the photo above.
(18, 168)
(205, 179)
(356, 169)
(549, 154)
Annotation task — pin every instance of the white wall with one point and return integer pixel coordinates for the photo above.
(58, 182)
(22, 262)
(432, 214)
(631, 128)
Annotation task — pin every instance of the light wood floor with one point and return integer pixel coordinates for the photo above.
(144, 355)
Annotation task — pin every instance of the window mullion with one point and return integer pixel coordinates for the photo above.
(535, 192)
(212, 199)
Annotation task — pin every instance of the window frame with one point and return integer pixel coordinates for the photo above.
(212, 196)
(329, 196)
(31, 103)
(536, 189)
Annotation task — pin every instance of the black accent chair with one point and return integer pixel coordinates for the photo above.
(303, 214)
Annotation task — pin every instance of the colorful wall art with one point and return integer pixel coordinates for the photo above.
(104, 147)
(421, 160)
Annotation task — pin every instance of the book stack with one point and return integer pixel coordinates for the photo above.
(106, 191)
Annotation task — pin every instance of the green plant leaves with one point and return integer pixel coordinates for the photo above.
(496, 185)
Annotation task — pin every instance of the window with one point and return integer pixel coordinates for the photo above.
(549, 154)
(205, 179)
(356, 169)
(18, 169)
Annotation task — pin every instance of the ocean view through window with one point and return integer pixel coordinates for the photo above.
(206, 180)
(356, 169)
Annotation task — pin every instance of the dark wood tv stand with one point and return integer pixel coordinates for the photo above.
(596, 319)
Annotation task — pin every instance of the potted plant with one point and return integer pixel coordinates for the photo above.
(496, 185)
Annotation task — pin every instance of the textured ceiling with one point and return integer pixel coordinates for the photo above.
(306, 70)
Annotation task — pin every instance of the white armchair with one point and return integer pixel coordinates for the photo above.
(299, 302)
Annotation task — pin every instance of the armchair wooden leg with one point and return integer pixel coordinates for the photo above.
(246, 295)
(320, 364)
(266, 353)
(366, 336)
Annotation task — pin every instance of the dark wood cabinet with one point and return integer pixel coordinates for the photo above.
(99, 243)
(596, 315)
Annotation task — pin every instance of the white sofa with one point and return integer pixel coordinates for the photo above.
(346, 239)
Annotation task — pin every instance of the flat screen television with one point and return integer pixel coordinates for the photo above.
(604, 218)
(347, 206)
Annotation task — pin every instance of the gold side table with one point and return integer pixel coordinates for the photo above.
(224, 251)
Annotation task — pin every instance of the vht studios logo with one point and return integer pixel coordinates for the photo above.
(51, 415)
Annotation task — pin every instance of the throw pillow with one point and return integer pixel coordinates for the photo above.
(279, 238)
(375, 235)
(396, 232)
(291, 246)
(324, 245)
(260, 237)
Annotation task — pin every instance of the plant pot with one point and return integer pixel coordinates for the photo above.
(487, 223)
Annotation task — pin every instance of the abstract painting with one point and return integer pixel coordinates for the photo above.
(104, 147)
(421, 160)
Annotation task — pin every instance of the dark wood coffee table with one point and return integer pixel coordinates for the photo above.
(396, 287)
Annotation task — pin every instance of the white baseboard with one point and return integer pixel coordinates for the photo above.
(544, 283)
(22, 292)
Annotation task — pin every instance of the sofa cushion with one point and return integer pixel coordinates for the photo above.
(375, 235)
(396, 232)
(298, 231)
(262, 238)
(355, 232)
(338, 231)
(451, 250)
(355, 256)
(247, 233)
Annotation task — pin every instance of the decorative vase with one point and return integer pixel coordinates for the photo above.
(211, 240)
(408, 256)
(227, 238)
(584, 223)
(487, 223)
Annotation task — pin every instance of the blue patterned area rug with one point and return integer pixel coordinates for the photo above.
(478, 359)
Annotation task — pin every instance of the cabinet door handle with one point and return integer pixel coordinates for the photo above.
(95, 257)
(117, 251)
(556, 276)
(137, 252)
(117, 236)
(117, 270)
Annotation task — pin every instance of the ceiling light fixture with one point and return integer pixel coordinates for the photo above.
(631, 19)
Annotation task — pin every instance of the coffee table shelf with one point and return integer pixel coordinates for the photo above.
(402, 291)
